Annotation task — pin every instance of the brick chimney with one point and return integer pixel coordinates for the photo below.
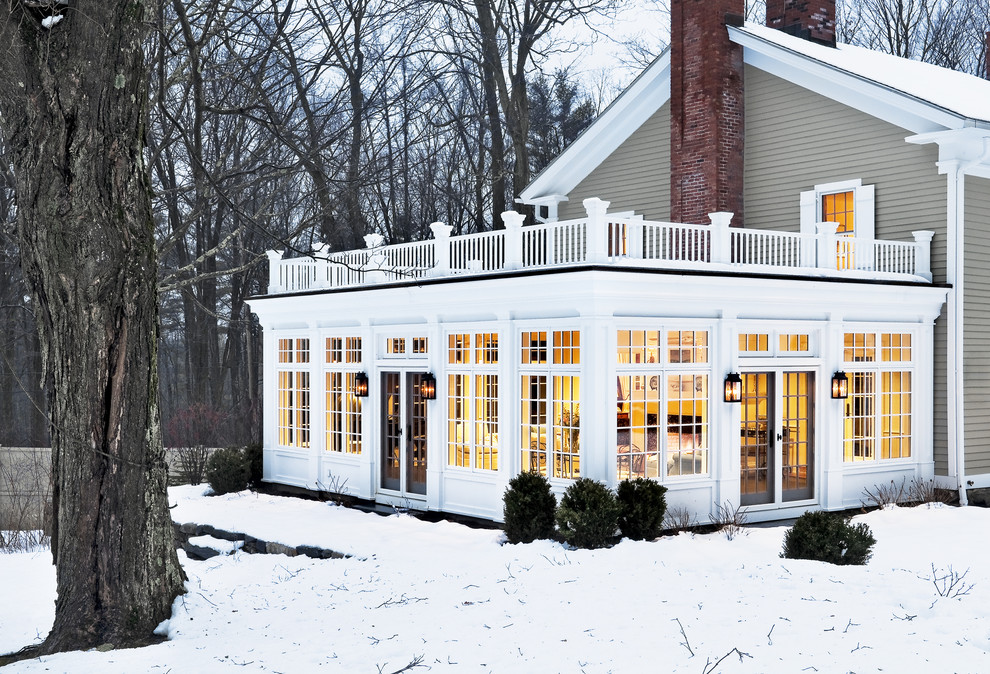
(809, 19)
(706, 111)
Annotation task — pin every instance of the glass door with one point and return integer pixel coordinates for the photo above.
(404, 433)
(776, 439)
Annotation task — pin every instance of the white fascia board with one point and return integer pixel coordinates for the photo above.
(596, 293)
(621, 118)
(860, 93)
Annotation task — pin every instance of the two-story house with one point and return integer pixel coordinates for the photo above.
(747, 280)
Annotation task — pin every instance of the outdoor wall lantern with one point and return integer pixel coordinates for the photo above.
(428, 386)
(361, 385)
(733, 388)
(840, 386)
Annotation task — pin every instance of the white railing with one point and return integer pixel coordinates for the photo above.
(600, 239)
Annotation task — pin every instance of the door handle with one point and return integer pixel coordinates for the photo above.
(779, 437)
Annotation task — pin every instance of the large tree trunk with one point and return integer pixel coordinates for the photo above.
(74, 102)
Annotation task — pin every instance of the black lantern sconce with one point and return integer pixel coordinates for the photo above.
(428, 386)
(360, 385)
(733, 388)
(840, 386)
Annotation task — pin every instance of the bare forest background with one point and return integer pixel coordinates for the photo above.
(298, 123)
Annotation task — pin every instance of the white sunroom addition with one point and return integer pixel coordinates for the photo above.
(429, 374)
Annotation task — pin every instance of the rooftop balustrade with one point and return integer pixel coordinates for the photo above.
(617, 240)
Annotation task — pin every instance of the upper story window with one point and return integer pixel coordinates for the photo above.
(851, 205)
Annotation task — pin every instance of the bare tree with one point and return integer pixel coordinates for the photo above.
(73, 99)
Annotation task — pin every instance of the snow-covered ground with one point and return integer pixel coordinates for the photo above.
(459, 600)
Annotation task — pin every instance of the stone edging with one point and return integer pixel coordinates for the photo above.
(252, 545)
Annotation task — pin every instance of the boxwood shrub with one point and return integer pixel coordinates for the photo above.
(642, 507)
(588, 514)
(528, 507)
(828, 537)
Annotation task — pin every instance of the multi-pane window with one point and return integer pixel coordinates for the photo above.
(293, 350)
(550, 417)
(343, 408)
(877, 420)
(343, 350)
(408, 347)
(472, 400)
(775, 344)
(840, 207)
(662, 403)
(292, 396)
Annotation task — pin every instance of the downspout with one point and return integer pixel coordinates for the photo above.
(956, 418)
(955, 271)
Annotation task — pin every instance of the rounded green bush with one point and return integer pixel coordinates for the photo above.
(528, 507)
(227, 471)
(642, 506)
(828, 537)
(588, 514)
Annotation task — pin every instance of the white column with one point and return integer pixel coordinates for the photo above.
(513, 239)
(597, 232)
(441, 260)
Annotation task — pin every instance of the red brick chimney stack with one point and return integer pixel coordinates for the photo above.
(809, 19)
(706, 111)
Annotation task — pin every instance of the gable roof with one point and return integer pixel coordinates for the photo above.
(919, 97)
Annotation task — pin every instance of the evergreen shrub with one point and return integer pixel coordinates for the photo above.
(254, 456)
(588, 514)
(642, 507)
(227, 471)
(828, 537)
(528, 507)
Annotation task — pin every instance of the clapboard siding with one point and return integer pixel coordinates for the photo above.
(976, 327)
(796, 139)
(636, 177)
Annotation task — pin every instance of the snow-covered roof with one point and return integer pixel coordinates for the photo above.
(953, 91)
(918, 97)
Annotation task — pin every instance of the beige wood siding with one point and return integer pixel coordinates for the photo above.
(636, 177)
(796, 139)
(976, 326)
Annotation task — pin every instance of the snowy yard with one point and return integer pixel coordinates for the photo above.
(463, 602)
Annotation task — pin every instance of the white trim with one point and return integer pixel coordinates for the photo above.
(857, 91)
(864, 215)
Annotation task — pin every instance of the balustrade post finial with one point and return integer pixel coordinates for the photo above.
(597, 234)
(923, 253)
(513, 222)
(441, 250)
(274, 282)
(720, 247)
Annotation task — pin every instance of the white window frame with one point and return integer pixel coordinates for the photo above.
(471, 370)
(660, 371)
(864, 200)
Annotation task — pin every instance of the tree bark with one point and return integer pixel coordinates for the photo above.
(74, 103)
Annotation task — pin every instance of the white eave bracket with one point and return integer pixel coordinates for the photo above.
(967, 148)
